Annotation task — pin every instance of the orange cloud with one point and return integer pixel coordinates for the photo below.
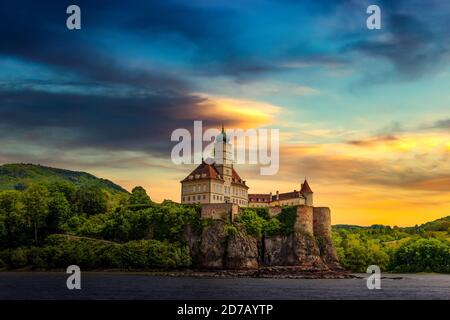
(239, 113)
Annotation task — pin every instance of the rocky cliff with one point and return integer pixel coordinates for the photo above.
(225, 245)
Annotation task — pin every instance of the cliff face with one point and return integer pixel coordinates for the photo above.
(294, 250)
(216, 249)
(307, 248)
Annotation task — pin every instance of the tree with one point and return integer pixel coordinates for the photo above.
(58, 212)
(91, 200)
(139, 197)
(14, 229)
(35, 200)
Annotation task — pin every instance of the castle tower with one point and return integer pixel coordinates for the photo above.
(307, 193)
(224, 162)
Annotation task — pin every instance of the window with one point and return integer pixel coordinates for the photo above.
(204, 197)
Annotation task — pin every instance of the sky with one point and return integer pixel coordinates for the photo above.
(363, 114)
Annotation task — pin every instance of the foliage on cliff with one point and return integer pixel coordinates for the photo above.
(257, 221)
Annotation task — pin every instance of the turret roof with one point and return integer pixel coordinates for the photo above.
(305, 188)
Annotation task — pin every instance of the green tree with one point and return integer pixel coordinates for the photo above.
(91, 200)
(35, 200)
(58, 212)
(14, 231)
(252, 222)
(139, 197)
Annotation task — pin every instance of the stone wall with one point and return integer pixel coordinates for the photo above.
(225, 211)
(274, 211)
(304, 221)
(322, 233)
(322, 222)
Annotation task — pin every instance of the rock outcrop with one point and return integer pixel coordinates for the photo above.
(242, 251)
(220, 250)
(226, 245)
(298, 249)
(213, 246)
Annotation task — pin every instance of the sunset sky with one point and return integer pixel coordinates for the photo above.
(363, 114)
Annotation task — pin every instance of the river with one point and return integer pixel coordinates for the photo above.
(113, 285)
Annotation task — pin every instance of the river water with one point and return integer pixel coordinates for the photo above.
(103, 285)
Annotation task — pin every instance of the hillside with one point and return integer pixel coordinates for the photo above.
(442, 224)
(18, 176)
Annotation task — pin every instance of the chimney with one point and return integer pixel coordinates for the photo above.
(278, 195)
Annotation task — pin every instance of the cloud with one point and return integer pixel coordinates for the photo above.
(372, 141)
(442, 124)
(414, 45)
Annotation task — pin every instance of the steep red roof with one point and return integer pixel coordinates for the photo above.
(259, 197)
(262, 197)
(236, 179)
(305, 188)
(205, 171)
(288, 195)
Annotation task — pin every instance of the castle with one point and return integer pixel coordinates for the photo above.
(222, 193)
(216, 182)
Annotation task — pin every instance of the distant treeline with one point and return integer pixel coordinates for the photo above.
(424, 248)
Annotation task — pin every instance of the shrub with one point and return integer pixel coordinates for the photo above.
(287, 217)
(273, 227)
(253, 224)
(230, 230)
(18, 258)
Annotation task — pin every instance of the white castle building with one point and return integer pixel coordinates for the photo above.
(217, 181)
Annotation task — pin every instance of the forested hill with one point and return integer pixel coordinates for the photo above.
(442, 224)
(19, 176)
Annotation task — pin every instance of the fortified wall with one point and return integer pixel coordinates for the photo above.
(310, 220)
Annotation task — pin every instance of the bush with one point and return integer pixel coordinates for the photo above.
(287, 217)
(230, 230)
(135, 254)
(17, 258)
(253, 224)
(273, 227)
